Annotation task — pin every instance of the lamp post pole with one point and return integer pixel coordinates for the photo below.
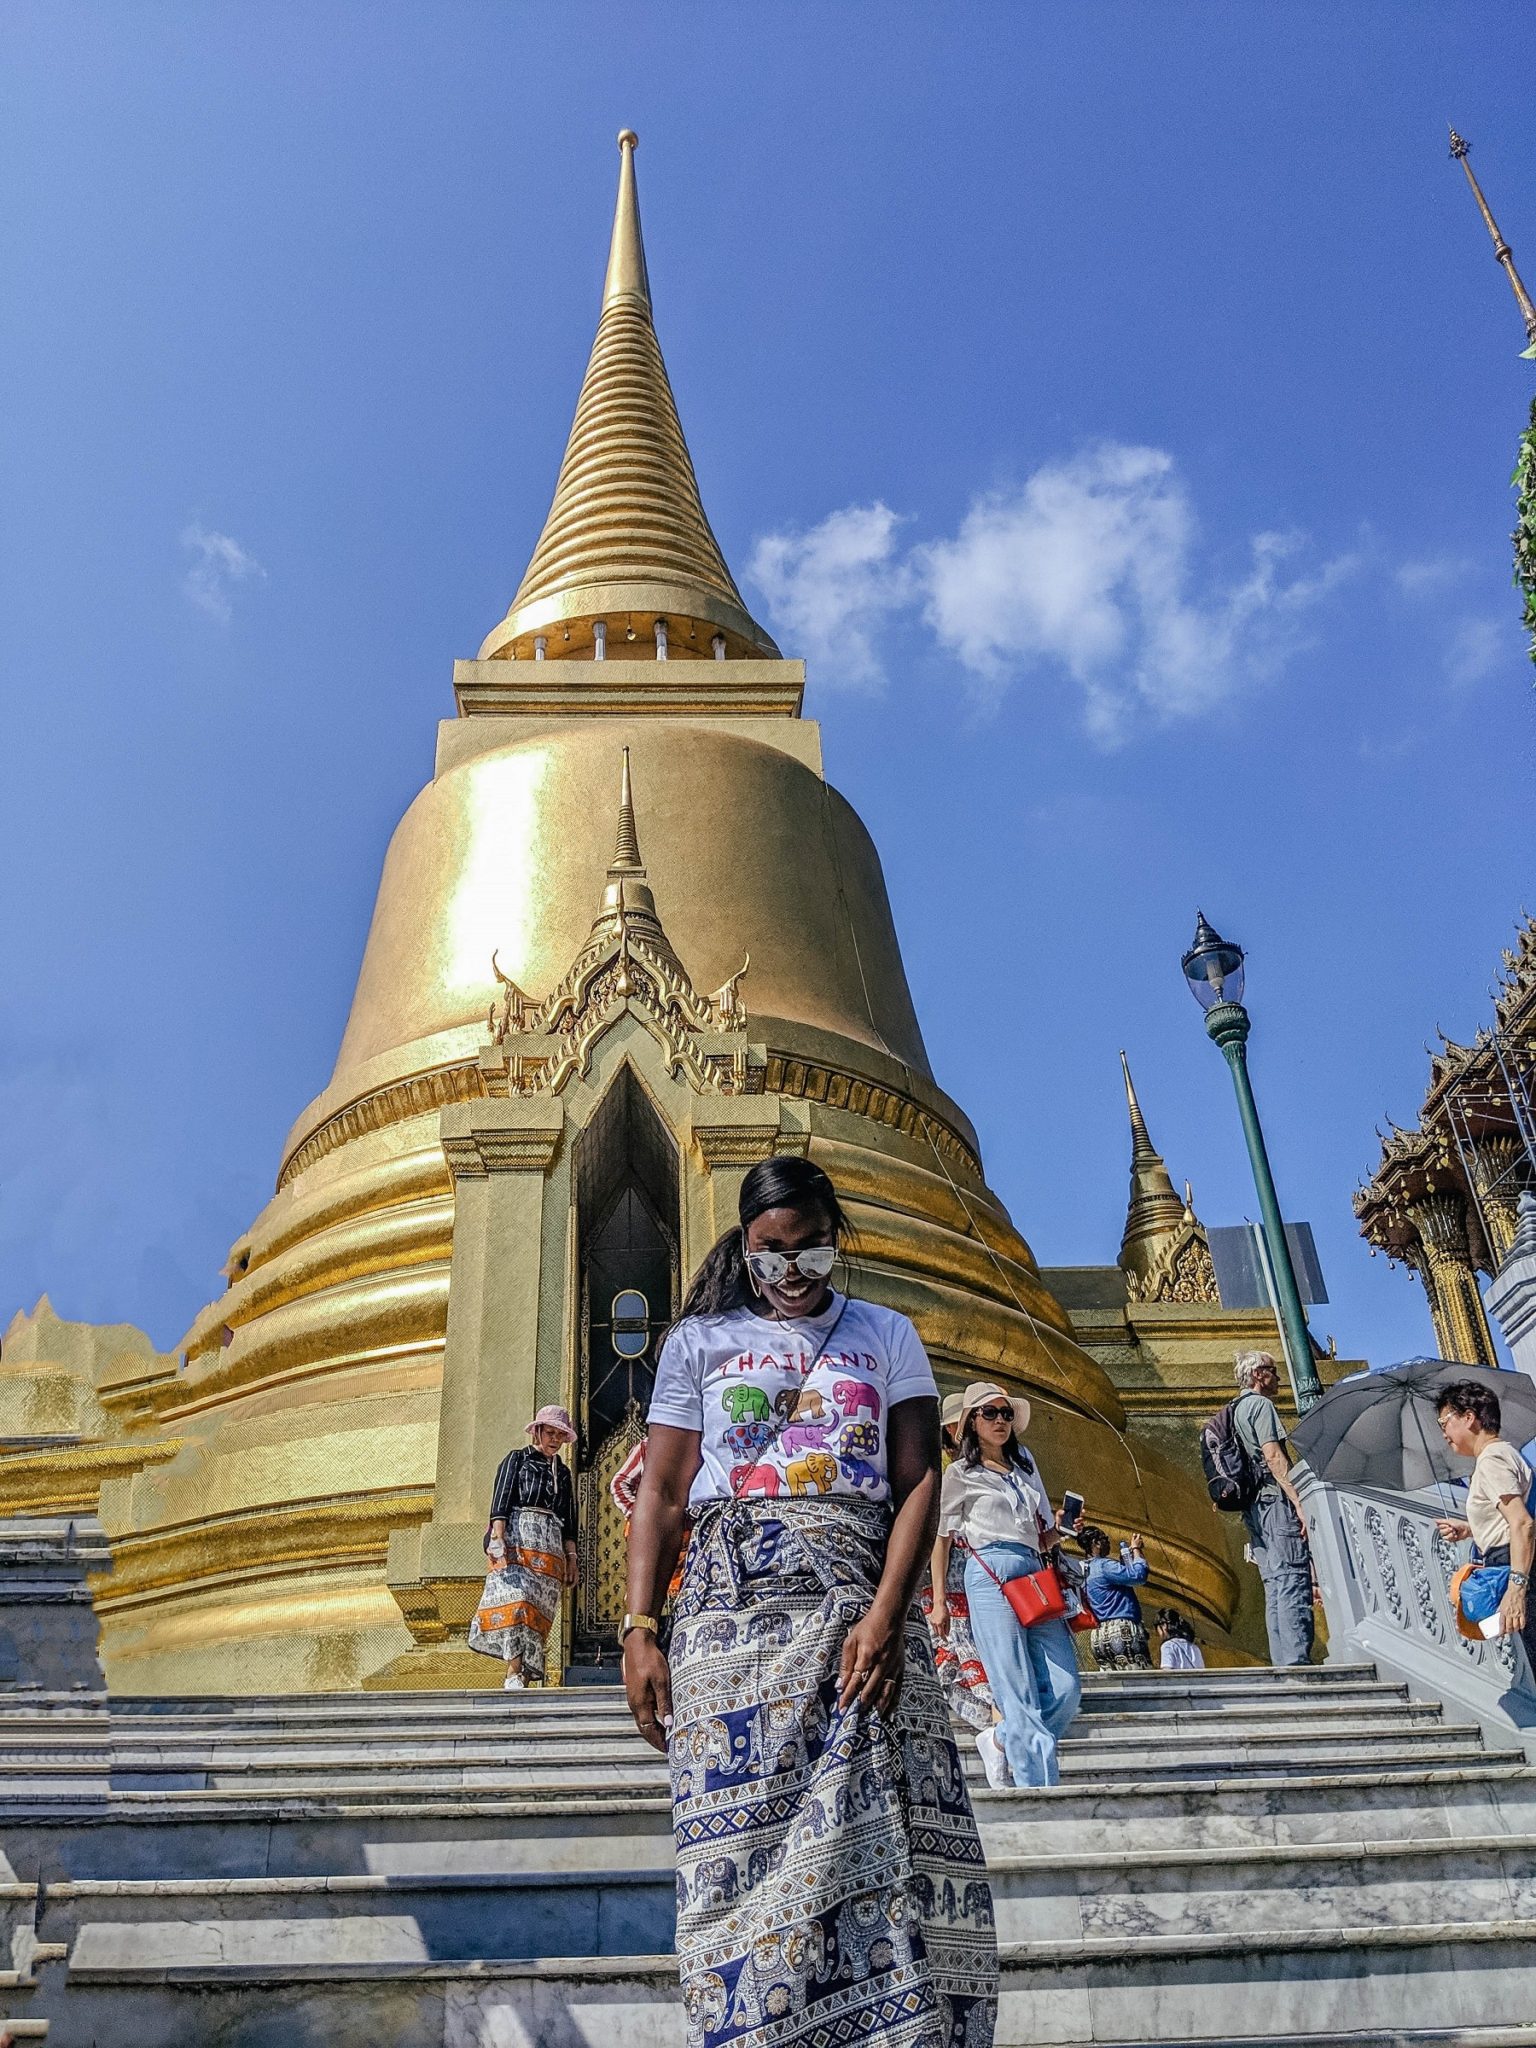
(1214, 970)
(1228, 1025)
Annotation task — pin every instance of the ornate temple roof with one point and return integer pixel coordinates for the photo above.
(627, 542)
(1467, 1143)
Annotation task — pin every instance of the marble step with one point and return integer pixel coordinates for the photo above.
(191, 1923)
(1291, 1986)
(388, 1776)
(558, 1730)
(217, 1834)
(1109, 1735)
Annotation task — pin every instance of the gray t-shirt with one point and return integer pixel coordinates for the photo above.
(1257, 1422)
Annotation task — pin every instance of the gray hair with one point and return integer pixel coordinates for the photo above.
(1249, 1365)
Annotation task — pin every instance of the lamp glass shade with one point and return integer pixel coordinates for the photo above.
(1213, 967)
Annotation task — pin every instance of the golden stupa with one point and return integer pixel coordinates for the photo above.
(628, 940)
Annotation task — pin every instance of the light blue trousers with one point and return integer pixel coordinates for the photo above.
(1032, 1671)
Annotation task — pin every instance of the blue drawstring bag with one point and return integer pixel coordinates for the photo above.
(1483, 1589)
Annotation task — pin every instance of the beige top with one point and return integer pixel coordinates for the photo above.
(1499, 1472)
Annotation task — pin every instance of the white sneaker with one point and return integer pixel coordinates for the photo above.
(514, 1682)
(993, 1761)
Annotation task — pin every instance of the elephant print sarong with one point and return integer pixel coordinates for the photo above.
(518, 1607)
(962, 1676)
(830, 1881)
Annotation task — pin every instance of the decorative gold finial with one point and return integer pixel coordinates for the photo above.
(626, 852)
(626, 250)
(1502, 253)
(1142, 1148)
(627, 537)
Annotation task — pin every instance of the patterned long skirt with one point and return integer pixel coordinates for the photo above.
(518, 1607)
(962, 1677)
(830, 1882)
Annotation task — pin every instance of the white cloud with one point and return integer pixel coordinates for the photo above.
(218, 564)
(1087, 570)
(831, 588)
(1431, 574)
(1476, 649)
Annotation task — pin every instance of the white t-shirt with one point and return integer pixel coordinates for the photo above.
(1179, 1654)
(831, 1380)
(1499, 1474)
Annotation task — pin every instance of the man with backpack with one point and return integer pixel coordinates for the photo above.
(1277, 1528)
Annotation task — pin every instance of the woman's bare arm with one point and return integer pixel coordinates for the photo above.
(672, 1459)
(875, 1647)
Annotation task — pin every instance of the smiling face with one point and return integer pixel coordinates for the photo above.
(787, 1231)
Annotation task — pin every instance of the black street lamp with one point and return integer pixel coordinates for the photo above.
(1213, 967)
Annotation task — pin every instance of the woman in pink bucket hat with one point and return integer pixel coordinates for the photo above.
(530, 1546)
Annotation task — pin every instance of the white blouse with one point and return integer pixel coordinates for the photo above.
(981, 1506)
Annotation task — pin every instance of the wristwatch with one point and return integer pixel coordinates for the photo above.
(631, 1621)
(1519, 1578)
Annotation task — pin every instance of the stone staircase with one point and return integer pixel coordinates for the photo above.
(1232, 1857)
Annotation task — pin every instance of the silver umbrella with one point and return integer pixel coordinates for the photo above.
(1381, 1429)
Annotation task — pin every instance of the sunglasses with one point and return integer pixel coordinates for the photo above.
(772, 1267)
(995, 1414)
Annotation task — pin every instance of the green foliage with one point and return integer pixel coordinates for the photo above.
(1524, 536)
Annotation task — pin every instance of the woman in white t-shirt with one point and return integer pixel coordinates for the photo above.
(796, 1700)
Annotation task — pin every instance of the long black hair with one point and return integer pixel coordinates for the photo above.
(721, 1283)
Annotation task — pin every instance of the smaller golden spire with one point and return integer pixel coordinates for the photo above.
(1502, 253)
(1154, 1213)
(1164, 1253)
(626, 853)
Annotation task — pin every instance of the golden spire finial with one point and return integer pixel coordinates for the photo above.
(626, 251)
(1154, 1214)
(626, 852)
(1502, 253)
(627, 564)
(1142, 1148)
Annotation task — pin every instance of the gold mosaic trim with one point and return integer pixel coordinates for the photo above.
(841, 1090)
(394, 1104)
(784, 1075)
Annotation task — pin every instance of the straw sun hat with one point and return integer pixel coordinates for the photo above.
(979, 1392)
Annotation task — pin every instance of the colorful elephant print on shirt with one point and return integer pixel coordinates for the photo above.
(853, 1395)
(857, 1448)
(816, 1469)
(746, 1404)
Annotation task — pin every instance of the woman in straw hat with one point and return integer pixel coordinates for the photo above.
(995, 1503)
(962, 1675)
(831, 1884)
(530, 1546)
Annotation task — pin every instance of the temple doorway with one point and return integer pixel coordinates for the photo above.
(627, 1238)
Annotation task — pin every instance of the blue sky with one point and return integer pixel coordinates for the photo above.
(1130, 386)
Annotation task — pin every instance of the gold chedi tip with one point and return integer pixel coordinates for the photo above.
(1154, 1208)
(627, 568)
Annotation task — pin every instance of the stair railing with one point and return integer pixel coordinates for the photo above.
(1385, 1572)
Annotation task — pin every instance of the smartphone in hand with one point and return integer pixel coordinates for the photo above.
(1072, 1505)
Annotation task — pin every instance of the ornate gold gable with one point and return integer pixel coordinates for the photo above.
(627, 966)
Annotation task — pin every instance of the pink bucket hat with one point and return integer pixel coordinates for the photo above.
(553, 1417)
